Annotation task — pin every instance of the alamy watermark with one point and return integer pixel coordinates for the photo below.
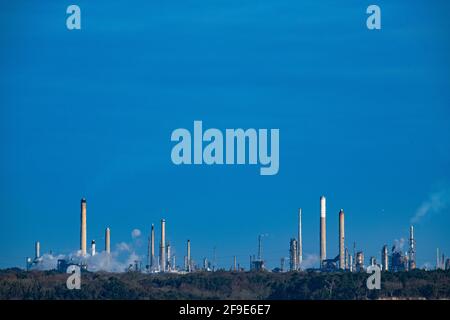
(234, 146)
(74, 280)
(374, 280)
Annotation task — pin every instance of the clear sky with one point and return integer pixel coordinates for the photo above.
(363, 117)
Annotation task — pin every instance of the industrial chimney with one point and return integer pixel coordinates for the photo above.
(385, 258)
(188, 269)
(83, 227)
(93, 248)
(108, 241)
(323, 235)
(152, 253)
(162, 253)
(168, 256)
(341, 240)
(412, 249)
(37, 250)
(300, 244)
(293, 255)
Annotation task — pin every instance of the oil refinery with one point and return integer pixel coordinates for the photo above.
(396, 260)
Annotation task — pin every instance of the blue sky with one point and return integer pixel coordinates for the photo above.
(363, 118)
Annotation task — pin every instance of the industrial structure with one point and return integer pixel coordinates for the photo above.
(396, 260)
(168, 255)
(293, 255)
(93, 248)
(299, 240)
(258, 263)
(108, 240)
(359, 261)
(441, 263)
(341, 240)
(162, 249)
(385, 258)
(83, 228)
(323, 231)
(188, 256)
(151, 265)
(412, 250)
(37, 250)
(346, 259)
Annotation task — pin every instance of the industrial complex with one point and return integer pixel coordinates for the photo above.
(345, 261)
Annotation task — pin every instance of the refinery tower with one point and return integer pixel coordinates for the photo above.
(323, 234)
(83, 227)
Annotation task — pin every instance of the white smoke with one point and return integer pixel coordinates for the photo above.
(136, 233)
(123, 246)
(399, 245)
(48, 261)
(121, 259)
(436, 202)
(310, 261)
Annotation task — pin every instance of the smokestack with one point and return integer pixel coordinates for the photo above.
(323, 235)
(108, 240)
(188, 262)
(37, 250)
(152, 254)
(300, 244)
(83, 227)
(168, 256)
(437, 259)
(341, 240)
(260, 247)
(359, 261)
(149, 259)
(346, 254)
(293, 265)
(214, 258)
(93, 248)
(163, 246)
(385, 258)
(351, 264)
(412, 249)
(234, 264)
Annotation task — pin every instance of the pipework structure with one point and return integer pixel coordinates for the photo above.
(188, 256)
(341, 240)
(152, 249)
(385, 258)
(293, 255)
(168, 257)
(412, 250)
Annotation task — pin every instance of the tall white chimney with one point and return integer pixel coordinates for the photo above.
(83, 227)
(163, 246)
(93, 248)
(323, 234)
